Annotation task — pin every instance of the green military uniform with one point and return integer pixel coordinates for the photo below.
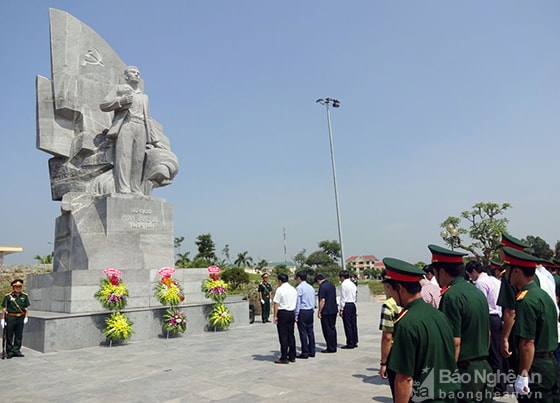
(422, 343)
(15, 306)
(536, 320)
(265, 289)
(467, 310)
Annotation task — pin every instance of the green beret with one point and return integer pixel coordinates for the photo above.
(516, 258)
(443, 255)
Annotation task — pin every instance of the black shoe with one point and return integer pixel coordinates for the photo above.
(18, 355)
(347, 347)
(9, 357)
(312, 356)
(292, 359)
(328, 351)
(280, 361)
(302, 357)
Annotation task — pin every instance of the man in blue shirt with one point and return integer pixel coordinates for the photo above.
(304, 315)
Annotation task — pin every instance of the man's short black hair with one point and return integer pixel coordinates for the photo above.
(283, 277)
(412, 287)
(453, 269)
(318, 277)
(302, 276)
(474, 265)
(344, 274)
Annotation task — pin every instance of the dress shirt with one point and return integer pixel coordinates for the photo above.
(286, 297)
(305, 297)
(347, 293)
(490, 287)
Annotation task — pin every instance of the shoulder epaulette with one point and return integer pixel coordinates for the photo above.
(521, 294)
(444, 289)
(401, 315)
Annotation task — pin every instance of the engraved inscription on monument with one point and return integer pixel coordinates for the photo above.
(142, 219)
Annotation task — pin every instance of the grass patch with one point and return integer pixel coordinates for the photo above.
(376, 287)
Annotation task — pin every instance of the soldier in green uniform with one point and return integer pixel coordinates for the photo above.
(467, 310)
(535, 331)
(422, 355)
(265, 291)
(14, 316)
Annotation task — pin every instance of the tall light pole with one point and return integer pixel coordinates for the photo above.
(335, 103)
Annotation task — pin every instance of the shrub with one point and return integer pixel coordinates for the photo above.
(235, 276)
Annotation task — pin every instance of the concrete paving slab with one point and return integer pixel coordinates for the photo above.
(231, 366)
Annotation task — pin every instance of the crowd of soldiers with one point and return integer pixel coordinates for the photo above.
(495, 329)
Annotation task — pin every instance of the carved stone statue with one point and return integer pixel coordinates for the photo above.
(132, 132)
(94, 151)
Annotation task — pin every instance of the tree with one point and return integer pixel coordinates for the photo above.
(299, 259)
(177, 242)
(235, 276)
(485, 229)
(557, 250)
(281, 269)
(319, 258)
(206, 250)
(243, 260)
(331, 248)
(183, 260)
(225, 252)
(47, 259)
(539, 246)
(261, 265)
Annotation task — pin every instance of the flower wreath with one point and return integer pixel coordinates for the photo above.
(174, 321)
(168, 291)
(220, 316)
(214, 288)
(112, 292)
(119, 327)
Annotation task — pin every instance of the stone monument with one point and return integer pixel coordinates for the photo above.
(108, 156)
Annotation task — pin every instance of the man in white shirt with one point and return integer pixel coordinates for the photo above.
(285, 299)
(490, 287)
(347, 309)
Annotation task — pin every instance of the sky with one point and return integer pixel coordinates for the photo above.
(443, 105)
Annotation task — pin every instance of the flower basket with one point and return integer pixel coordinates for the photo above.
(119, 328)
(220, 317)
(112, 293)
(174, 321)
(215, 289)
(168, 291)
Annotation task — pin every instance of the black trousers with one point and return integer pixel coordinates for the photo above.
(495, 358)
(285, 328)
(14, 334)
(328, 325)
(306, 333)
(265, 311)
(350, 324)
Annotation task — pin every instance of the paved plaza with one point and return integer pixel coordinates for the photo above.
(229, 366)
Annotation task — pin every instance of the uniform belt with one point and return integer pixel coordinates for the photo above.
(15, 314)
(466, 363)
(544, 355)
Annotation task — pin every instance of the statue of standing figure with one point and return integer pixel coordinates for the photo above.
(131, 131)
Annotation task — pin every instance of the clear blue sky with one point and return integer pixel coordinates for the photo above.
(444, 104)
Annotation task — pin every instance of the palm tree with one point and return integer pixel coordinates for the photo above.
(243, 260)
(44, 259)
(183, 261)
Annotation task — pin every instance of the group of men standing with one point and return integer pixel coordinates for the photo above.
(444, 354)
(296, 305)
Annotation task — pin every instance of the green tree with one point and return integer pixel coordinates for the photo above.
(177, 243)
(299, 259)
(557, 250)
(331, 248)
(235, 276)
(183, 260)
(243, 260)
(225, 252)
(318, 259)
(281, 269)
(539, 246)
(206, 250)
(47, 259)
(261, 265)
(485, 228)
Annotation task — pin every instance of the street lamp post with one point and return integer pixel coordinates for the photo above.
(335, 104)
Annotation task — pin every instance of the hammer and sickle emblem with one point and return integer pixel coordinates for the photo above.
(92, 56)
